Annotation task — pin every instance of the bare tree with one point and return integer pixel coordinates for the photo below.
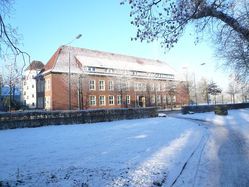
(233, 89)
(12, 78)
(203, 89)
(9, 38)
(226, 20)
(166, 20)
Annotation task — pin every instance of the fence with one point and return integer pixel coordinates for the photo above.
(210, 108)
(12, 120)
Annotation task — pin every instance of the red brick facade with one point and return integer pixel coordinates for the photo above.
(103, 87)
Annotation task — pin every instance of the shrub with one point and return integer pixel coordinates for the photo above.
(221, 110)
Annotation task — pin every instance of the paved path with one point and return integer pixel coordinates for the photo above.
(222, 159)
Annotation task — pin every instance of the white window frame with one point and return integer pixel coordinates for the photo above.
(119, 100)
(164, 99)
(92, 85)
(111, 85)
(128, 99)
(111, 101)
(153, 99)
(101, 85)
(92, 100)
(102, 100)
(158, 87)
(158, 99)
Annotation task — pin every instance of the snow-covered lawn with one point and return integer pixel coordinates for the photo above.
(129, 152)
(143, 152)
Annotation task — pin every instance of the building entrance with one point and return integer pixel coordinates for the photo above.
(142, 101)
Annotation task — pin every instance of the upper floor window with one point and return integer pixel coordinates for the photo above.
(92, 69)
(111, 85)
(109, 70)
(101, 85)
(152, 86)
(158, 87)
(92, 85)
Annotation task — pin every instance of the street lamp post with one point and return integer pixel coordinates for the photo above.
(69, 73)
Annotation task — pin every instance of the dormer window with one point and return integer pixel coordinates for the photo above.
(109, 71)
(91, 69)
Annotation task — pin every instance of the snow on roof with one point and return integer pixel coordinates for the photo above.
(79, 57)
(35, 65)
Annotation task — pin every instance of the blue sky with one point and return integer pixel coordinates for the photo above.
(104, 25)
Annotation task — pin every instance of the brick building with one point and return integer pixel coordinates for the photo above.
(76, 78)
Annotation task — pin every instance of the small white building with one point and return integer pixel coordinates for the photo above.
(29, 83)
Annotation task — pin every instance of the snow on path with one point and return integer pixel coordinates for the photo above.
(143, 152)
(224, 158)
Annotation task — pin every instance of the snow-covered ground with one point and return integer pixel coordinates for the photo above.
(143, 152)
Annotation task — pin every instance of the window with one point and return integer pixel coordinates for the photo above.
(127, 85)
(24, 93)
(92, 100)
(33, 86)
(92, 85)
(24, 83)
(158, 87)
(164, 99)
(33, 95)
(152, 99)
(102, 100)
(91, 69)
(158, 98)
(128, 99)
(111, 100)
(119, 100)
(101, 85)
(109, 70)
(111, 85)
(152, 86)
(33, 104)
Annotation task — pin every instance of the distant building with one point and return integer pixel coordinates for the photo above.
(29, 83)
(76, 78)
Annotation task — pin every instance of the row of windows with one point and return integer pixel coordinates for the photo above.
(111, 100)
(126, 85)
(135, 73)
(92, 85)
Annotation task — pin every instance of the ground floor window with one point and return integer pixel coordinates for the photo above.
(111, 100)
(102, 100)
(128, 99)
(119, 100)
(92, 100)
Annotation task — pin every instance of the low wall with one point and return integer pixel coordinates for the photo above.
(12, 120)
(210, 108)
